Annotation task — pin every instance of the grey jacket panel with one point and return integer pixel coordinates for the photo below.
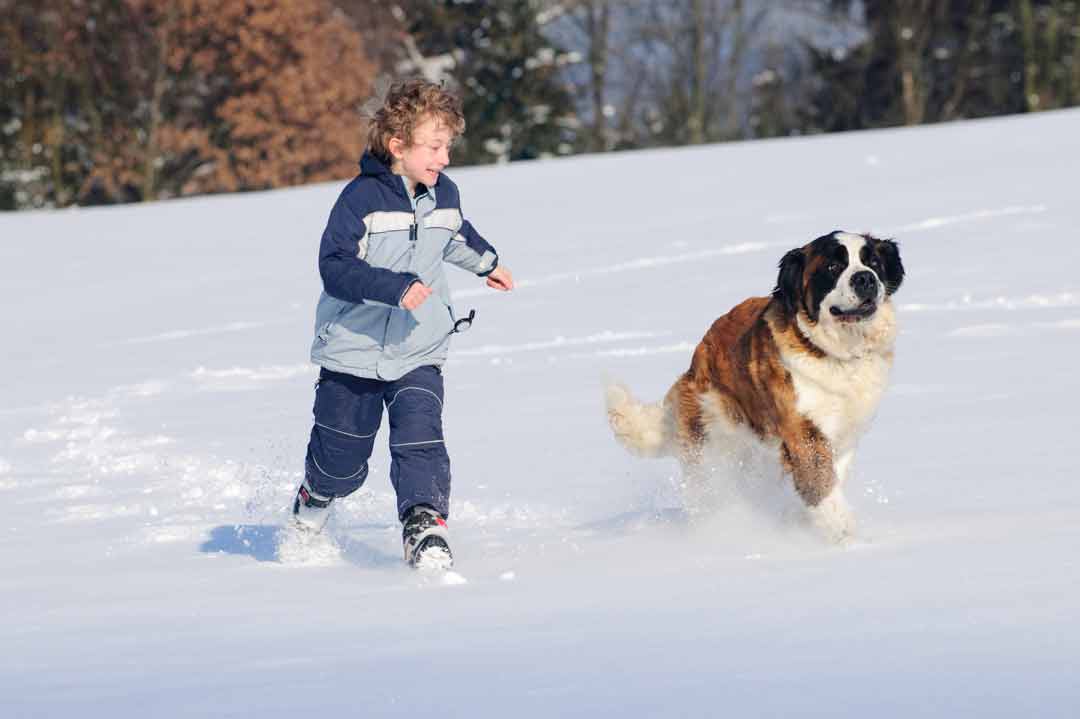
(459, 253)
(372, 339)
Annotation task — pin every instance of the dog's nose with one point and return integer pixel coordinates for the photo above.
(865, 284)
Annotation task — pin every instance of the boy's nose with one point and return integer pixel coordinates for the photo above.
(444, 156)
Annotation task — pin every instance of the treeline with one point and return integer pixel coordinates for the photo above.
(107, 101)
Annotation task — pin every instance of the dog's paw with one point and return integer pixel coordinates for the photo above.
(835, 520)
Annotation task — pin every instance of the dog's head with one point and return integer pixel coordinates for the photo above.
(839, 281)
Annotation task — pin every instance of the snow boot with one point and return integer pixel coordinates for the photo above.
(310, 510)
(425, 538)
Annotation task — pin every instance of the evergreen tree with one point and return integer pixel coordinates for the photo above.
(516, 103)
(930, 61)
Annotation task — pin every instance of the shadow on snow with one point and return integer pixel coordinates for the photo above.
(261, 541)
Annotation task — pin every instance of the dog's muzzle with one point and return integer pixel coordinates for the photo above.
(865, 284)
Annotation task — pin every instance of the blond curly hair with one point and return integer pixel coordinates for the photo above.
(408, 104)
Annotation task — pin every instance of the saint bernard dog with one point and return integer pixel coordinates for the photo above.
(782, 385)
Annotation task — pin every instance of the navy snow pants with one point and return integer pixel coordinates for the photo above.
(348, 411)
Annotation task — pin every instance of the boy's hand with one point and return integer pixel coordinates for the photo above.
(500, 279)
(415, 295)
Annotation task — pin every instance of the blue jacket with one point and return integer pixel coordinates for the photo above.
(374, 247)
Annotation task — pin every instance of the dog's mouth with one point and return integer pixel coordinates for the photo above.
(855, 314)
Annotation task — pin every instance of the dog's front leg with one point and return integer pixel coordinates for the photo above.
(833, 516)
(836, 514)
(818, 478)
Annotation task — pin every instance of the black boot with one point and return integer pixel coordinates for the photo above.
(425, 539)
(310, 510)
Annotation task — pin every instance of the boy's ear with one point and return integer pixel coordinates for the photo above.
(396, 146)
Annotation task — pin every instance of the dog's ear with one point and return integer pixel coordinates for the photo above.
(788, 288)
(889, 252)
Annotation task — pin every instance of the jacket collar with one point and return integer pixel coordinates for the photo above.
(374, 167)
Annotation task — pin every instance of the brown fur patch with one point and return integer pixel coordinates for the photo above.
(738, 361)
(787, 333)
(808, 456)
(814, 264)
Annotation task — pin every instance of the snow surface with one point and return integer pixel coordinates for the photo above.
(156, 404)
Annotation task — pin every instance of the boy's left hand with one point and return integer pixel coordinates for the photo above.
(500, 279)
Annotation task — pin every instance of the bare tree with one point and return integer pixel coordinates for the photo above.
(598, 27)
(913, 26)
(586, 25)
(698, 55)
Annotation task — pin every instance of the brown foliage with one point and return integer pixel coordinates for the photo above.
(292, 77)
(130, 99)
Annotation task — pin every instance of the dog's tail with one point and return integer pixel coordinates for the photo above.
(644, 429)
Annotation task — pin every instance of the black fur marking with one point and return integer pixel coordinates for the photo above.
(834, 260)
(889, 252)
(868, 256)
(883, 257)
(788, 288)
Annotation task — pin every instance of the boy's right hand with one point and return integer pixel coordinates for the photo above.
(415, 295)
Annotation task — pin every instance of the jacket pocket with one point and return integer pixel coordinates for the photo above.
(322, 335)
(361, 328)
(421, 332)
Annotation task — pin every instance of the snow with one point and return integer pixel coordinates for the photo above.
(157, 404)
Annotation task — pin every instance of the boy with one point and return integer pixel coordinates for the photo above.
(384, 319)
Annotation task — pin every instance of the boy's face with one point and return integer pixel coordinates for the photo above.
(427, 156)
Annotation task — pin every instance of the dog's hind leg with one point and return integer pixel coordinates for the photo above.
(695, 484)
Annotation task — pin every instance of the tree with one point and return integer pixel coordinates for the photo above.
(114, 100)
(937, 61)
(1050, 41)
(258, 94)
(66, 100)
(517, 105)
(692, 57)
(588, 25)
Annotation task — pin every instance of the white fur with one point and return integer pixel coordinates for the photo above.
(644, 429)
(843, 295)
(833, 516)
(840, 392)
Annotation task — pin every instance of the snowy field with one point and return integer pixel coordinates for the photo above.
(156, 401)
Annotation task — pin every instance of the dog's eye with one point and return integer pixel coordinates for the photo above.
(875, 262)
(836, 268)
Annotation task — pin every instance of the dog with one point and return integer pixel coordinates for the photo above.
(787, 383)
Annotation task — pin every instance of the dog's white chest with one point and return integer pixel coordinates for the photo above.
(839, 397)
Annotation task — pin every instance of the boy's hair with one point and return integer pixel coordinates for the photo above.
(407, 104)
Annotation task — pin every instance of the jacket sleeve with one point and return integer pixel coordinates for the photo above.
(469, 251)
(345, 274)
